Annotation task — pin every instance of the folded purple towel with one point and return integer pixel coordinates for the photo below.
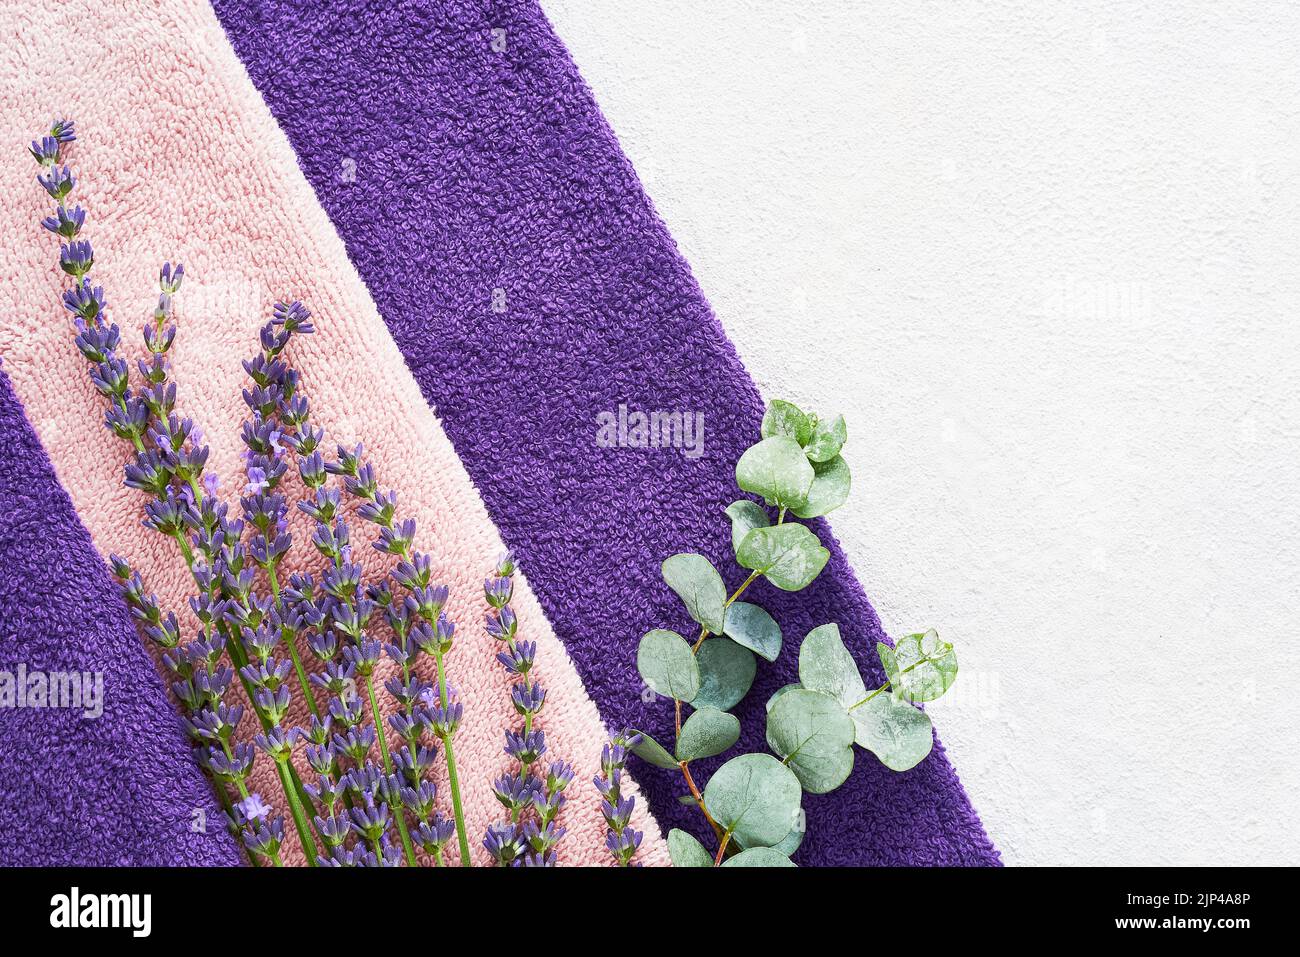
(107, 779)
(531, 287)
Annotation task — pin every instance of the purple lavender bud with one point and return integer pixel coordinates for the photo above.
(267, 838)
(110, 378)
(65, 222)
(503, 843)
(515, 792)
(273, 704)
(395, 539)
(369, 820)
(346, 711)
(294, 317)
(333, 830)
(76, 258)
(320, 758)
(362, 483)
(166, 633)
(558, 776)
(324, 508)
(528, 699)
(127, 421)
(444, 721)
(63, 130)
(416, 763)
(356, 743)
(236, 766)
(498, 591)
(502, 623)
(347, 463)
(307, 440)
(542, 837)
(87, 301)
(433, 836)
(254, 808)
(312, 470)
(420, 800)
(505, 565)
(45, 150)
(415, 573)
(519, 659)
(363, 656)
(623, 844)
(324, 645)
(169, 279)
(618, 812)
(526, 747)
(57, 181)
(548, 805)
(170, 515)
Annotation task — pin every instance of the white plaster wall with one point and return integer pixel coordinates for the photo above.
(1044, 258)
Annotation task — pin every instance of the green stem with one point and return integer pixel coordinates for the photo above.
(289, 643)
(398, 814)
(295, 808)
(458, 812)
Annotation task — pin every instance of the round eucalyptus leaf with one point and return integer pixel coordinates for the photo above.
(686, 851)
(699, 586)
(897, 733)
(919, 667)
(786, 418)
(827, 440)
(759, 857)
(829, 490)
(751, 626)
(707, 732)
(814, 735)
(726, 672)
(755, 797)
(651, 751)
(789, 556)
(825, 665)
(792, 841)
(667, 665)
(780, 691)
(746, 515)
(776, 469)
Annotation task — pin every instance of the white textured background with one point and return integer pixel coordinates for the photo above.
(1045, 261)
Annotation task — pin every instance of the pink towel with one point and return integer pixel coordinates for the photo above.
(181, 160)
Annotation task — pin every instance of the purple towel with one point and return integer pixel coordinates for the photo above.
(530, 285)
(120, 788)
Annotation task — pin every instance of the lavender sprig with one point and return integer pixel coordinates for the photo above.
(533, 804)
(621, 839)
(169, 458)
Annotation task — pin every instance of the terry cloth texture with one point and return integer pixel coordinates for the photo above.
(179, 158)
(121, 788)
(527, 280)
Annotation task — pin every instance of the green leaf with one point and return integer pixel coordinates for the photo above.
(897, 733)
(707, 732)
(667, 665)
(726, 672)
(652, 752)
(825, 665)
(827, 440)
(751, 626)
(700, 587)
(780, 691)
(745, 515)
(759, 857)
(776, 469)
(791, 842)
(790, 556)
(830, 489)
(814, 735)
(755, 797)
(785, 418)
(919, 667)
(686, 851)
